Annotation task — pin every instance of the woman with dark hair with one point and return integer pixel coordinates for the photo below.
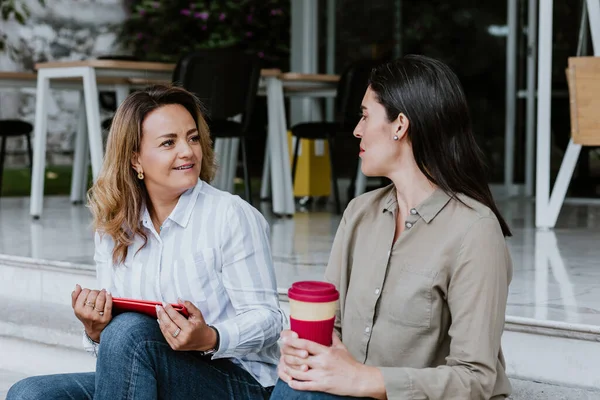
(164, 234)
(422, 265)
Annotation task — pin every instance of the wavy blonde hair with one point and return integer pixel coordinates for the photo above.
(117, 197)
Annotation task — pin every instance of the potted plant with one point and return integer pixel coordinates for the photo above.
(163, 30)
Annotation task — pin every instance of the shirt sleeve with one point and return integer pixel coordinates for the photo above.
(103, 260)
(477, 296)
(249, 279)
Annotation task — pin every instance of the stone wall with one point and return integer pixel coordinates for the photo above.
(62, 30)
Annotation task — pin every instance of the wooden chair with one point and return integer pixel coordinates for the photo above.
(583, 77)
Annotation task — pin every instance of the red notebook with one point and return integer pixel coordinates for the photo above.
(147, 307)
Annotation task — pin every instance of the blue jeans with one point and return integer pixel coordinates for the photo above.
(135, 362)
(282, 391)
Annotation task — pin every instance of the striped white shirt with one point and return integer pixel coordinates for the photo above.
(214, 251)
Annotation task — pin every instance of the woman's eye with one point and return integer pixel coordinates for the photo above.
(195, 138)
(167, 143)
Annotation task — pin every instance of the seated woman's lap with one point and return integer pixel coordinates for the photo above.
(134, 360)
(283, 391)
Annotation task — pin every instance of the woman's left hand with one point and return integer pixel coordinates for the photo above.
(330, 369)
(185, 334)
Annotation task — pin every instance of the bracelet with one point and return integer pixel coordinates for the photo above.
(214, 349)
(89, 338)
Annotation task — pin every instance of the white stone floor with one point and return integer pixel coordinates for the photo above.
(7, 378)
(556, 273)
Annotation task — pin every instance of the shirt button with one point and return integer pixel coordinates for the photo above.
(409, 225)
(377, 291)
(367, 329)
(413, 211)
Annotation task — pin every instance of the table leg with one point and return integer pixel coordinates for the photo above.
(265, 182)
(283, 195)
(79, 179)
(220, 156)
(39, 145)
(234, 146)
(288, 187)
(122, 91)
(92, 110)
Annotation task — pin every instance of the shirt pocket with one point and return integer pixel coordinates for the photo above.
(195, 276)
(410, 297)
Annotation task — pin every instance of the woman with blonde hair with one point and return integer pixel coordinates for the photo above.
(164, 234)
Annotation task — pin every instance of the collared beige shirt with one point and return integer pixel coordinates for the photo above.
(428, 310)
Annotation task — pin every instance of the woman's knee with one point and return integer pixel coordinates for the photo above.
(130, 328)
(283, 391)
(125, 335)
(31, 388)
(51, 387)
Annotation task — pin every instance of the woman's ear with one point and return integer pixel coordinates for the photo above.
(135, 162)
(401, 126)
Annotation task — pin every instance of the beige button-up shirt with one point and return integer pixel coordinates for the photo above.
(428, 310)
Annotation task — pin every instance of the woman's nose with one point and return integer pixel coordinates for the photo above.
(357, 131)
(185, 150)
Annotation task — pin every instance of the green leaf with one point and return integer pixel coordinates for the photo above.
(26, 10)
(20, 18)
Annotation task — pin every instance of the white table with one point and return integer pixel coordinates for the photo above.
(120, 76)
(90, 72)
(119, 85)
(290, 84)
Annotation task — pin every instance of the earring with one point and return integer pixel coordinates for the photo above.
(396, 137)
(140, 175)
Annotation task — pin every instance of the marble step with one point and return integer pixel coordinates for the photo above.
(37, 312)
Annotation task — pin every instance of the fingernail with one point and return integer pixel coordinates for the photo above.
(157, 309)
(294, 335)
(109, 293)
(158, 320)
(164, 304)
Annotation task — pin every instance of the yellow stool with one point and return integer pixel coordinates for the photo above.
(313, 170)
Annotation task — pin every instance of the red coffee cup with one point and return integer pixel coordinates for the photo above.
(312, 310)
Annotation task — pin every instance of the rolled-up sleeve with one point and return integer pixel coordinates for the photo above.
(477, 296)
(249, 279)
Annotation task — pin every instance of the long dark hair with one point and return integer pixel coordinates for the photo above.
(431, 97)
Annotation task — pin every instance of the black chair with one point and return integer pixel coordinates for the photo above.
(350, 91)
(108, 99)
(12, 128)
(226, 81)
